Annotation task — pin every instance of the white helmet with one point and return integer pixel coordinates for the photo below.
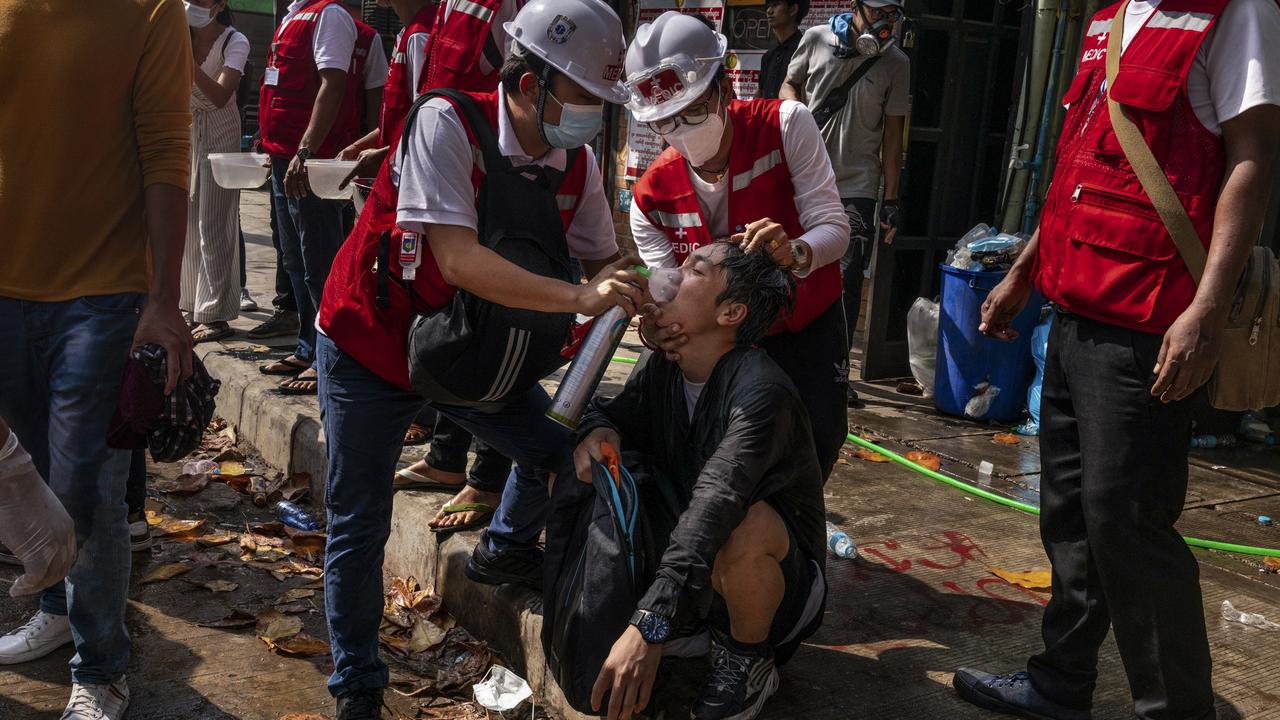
(671, 62)
(580, 38)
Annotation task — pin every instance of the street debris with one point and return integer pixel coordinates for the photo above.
(167, 526)
(234, 620)
(924, 459)
(1029, 579)
(1005, 438)
(183, 484)
(870, 455)
(167, 572)
(1272, 564)
(218, 586)
(501, 690)
(1229, 612)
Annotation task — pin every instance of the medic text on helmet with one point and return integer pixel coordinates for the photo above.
(662, 86)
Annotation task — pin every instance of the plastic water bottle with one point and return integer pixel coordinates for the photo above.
(199, 467)
(1229, 612)
(295, 516)
(1213, 441)
(1255, 428)
(841, 544)
(597, 349)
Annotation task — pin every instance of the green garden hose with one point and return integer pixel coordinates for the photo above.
(1007, 502)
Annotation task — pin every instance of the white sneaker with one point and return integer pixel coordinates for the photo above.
(97, 702)
(247, 303)
(42, 634)
(140, 536)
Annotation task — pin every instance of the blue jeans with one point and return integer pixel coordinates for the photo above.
(365, 418)
(60, 369)
(310, 232)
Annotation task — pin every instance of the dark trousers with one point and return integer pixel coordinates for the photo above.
(1114, 479)
(816, 358)
(283, 301)
(449, 445)
(862, 233)
(135, 493)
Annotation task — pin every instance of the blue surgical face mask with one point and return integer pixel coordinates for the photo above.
(579, 124)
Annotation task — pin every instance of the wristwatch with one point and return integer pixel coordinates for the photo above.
(801, 255)
(303, 154)
(653, 627)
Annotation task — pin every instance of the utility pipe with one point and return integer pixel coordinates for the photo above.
(1033, 96)
(1037, 164)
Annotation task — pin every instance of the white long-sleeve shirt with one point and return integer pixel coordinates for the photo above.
(817, 199)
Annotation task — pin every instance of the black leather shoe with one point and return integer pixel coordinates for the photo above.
(361, 705)
(517, 566)
(1010, 694)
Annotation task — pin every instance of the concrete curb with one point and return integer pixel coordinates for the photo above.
(286, 431)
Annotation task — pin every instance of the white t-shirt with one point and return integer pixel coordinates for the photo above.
(334, 39)
(435, 180)
(236, 53)
(505, 13)
(415, 54)
(817, 199)
(692, 391)
(375, 66)
(1237, 66)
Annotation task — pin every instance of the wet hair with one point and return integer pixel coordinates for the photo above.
(519, 62)
(755, 280)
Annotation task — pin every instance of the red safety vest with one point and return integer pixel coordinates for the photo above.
(398, 96)
(1104, 252)
(349, 314)
(759, 187)
(455, 47)
(284, 109)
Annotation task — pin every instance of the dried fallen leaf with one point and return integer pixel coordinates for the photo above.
(228, 454)
(183, 484)
(295, 595)
(166, 572)
(924, 459)
(1005, 438)
(405, 593)
(167, 526)
(273, 625)
(236, 619)
(398, 616)
(300, 644)
(218, 586)
(294, 608)
(306, 543)
(217, 537)
(303, 716)
(1029, 579)
(870, 456)
(271, 529)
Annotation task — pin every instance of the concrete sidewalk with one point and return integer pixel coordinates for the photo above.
(921, 601)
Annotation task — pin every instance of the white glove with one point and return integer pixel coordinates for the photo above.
(33, 524)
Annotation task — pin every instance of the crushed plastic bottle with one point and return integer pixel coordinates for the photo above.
(1213, 441)
(295, 516)
(199, 467)
(1255, 428)
(1229, 612)
(841, 544)
(985, 468)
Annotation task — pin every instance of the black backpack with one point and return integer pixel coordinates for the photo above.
(473, 352)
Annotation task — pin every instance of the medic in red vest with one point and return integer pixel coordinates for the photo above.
(405, 73)
(754, 171)
(1134, 339)
(467, 48)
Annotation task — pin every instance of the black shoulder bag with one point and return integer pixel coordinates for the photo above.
(838, 97)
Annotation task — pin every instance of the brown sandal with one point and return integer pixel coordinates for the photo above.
(211, 332)
(417, 434)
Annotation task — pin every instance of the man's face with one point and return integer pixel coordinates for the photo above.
(864, 15)
(562, 89)
(694, 307)
(780, 14)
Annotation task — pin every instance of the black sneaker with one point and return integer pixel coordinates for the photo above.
(361, 705)
(282, 324)
(1010, 694)
(8, 558)
(739, 685)
(854, 401)
(517, 566)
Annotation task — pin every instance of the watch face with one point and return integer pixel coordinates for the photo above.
(654, 628)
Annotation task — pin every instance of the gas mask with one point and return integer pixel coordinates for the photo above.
(874, 40)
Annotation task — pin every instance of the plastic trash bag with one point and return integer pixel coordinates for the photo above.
(33, 524)
(984, 396)
(1039, 350)
(922, 342)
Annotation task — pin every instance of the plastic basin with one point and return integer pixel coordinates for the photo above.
(324, 177)
(361, 189)
(240, 171)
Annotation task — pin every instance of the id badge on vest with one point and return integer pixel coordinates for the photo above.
(271, 73)
(410, 255)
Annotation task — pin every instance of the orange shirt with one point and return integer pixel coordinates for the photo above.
(94, 107)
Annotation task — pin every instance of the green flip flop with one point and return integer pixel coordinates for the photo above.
(485, 510)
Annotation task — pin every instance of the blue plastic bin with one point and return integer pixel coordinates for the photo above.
(967, 358)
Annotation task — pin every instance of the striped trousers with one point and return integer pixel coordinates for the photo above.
(211, 262)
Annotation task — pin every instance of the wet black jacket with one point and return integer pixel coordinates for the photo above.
(749, 440)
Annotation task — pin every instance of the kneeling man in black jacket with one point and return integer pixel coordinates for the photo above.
(725, 427)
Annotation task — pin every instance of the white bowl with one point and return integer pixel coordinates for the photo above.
(361, 189)
(240, 171)
(324, 177)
